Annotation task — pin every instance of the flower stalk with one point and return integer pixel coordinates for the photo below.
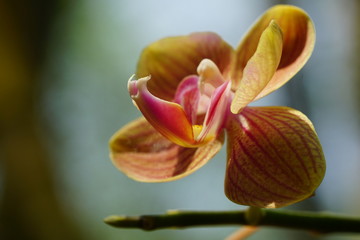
(319, 222)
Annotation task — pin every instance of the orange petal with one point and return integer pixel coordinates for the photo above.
(143, 154)
(169, 60)
(260, 68)
(274, 157)
(299, 40)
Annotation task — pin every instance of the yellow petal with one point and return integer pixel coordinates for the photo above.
(171, 59)
(274, 157)
(260, 68)
(299, 40)
(145, 155)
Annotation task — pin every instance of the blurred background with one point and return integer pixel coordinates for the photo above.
(64, 67)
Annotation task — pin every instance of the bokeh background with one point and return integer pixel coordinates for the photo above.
(64, 67)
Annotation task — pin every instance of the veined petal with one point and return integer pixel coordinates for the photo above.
(169, 60)
(260, 68)
(274, 157)
(299, 40)
(167, 117)
(143, 154)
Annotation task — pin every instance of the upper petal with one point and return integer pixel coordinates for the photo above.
(274, 157)
(143, 154)
(171, 59)
(260, 68)
(299, 40)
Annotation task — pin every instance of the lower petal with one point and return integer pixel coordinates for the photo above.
(274, 157)
(144, 155)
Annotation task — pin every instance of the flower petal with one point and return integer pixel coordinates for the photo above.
(169, 60)
(210, 77)
(188, 96)
(216, 113)
(167, 117)
(145, 155)
(274, 157)
(299, 40)
(260, 68)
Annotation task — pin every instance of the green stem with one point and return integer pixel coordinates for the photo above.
(317, 222)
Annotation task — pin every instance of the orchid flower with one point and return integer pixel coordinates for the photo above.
(194, 90)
